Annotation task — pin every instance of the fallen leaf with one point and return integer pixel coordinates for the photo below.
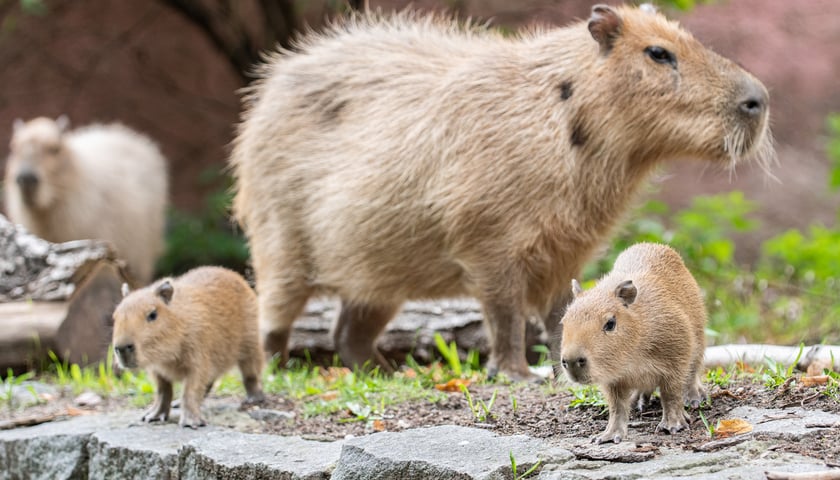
(744, 367)
(330, 395)
(453, 385)
(378, 426)
(818, 367)
(409, 373)
(731, 427)
(815, 380)
(75, 412)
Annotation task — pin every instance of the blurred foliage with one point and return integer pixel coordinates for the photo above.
(209, 237)
(833, 150)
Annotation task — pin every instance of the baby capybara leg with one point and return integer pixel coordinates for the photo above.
(191, 398)
(356, 331)
(159, 411)
(251, 368)
(674, 416)
(506, 327)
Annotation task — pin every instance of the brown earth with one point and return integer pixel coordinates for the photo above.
(541, 412)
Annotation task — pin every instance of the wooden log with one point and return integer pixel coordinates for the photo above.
(751, 354)
(55, 297)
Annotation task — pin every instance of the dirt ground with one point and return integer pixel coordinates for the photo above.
(540, 412)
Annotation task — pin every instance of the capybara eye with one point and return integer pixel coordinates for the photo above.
(610, 325)
(152, 316)
(661, 55)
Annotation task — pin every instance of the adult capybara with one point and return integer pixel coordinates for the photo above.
(192, 328)
(101, 181)
(409, 157)
(641, 327)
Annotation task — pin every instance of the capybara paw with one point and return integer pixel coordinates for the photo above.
(254, 399)
(672, 427)
(190, 421)
(606, 437)
(155, 416)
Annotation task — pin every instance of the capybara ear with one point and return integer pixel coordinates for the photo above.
(576, 289)
(605, 26)
(165, 291)
(648, 8)
(626, 291)
(125, 290)
(62, 122)
(17, 124)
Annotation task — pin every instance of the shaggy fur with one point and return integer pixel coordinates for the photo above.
(192, 328)
(409, 157)
(102, 181)
(641, 327)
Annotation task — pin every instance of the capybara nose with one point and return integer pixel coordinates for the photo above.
(575, 366)
(124, 351)
(753, 100)
(27, 180)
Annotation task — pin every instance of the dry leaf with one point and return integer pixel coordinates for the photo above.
(732, 427)
(410, 373)
(453, 385)
(75, 412)
(744, 367)
(378, 426)
(815, 381)
(330, 395)
(817, 367)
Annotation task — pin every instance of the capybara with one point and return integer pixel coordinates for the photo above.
(101, 181)
(192, 328)
(641, 327)
(412, 157)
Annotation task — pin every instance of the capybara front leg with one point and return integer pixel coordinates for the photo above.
(554, 329)
(191, 398)
(506, 326)
(618, 401)
(356, 331)
(159, 411)
(674, 416)
(278, 309)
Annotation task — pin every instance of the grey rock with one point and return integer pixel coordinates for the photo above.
(233, 455)
(263, 414)
(31, 393)
(746, 461)
(55, 450)
(139, 452)
(441, 452)
(791, 424)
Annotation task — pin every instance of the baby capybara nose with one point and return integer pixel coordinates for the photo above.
(124, 351)
(575, 366)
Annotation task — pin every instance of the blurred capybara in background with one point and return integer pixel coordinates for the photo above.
(192, 328)
(410, 157)
(641, 327)
(101, 181)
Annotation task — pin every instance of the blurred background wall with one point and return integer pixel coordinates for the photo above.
(171, 69)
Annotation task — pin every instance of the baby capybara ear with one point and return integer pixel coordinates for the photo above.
(125, 290)
(165, 292)
(626, 291)
(605, 26)
(576, 288)
(63, 123)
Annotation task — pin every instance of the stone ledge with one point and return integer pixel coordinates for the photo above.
(107, 446)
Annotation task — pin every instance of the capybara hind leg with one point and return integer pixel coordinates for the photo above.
(506, 326)
(159, 411)
(251, 368)
(278, 309)
(356, 331)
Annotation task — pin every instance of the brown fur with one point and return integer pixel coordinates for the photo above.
(657, 337)
(410, 157)
(101, 181)
(205, 323)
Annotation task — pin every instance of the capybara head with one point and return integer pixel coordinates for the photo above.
(145, 329)
(37, 160)
(655, 83)
(603, 334)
